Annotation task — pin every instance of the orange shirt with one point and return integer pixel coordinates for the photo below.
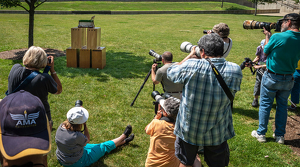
(162, 149)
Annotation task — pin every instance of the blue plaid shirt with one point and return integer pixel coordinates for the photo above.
(205, 116)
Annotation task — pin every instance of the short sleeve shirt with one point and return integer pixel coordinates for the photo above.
(161, 76)
(69, 145)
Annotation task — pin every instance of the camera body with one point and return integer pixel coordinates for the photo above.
(159, 99)
(78, 103)
(252, 24)
(246, 61)
(205, 31)
(187, 47)
(156, 55)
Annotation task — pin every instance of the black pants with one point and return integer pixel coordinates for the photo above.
(217, 156)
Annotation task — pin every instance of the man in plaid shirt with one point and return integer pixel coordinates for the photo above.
(205, 116)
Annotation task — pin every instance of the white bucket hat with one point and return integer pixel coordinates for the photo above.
(77, 115)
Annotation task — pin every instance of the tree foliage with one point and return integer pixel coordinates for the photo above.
(32, 5)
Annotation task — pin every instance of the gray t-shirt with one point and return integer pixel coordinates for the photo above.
(69, 145)
(161, 76)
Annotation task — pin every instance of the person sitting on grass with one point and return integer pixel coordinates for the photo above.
(162, 148)
(73, 148)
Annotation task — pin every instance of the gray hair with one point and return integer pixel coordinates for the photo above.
(171, 107)
(212, 44)
(167, 56)
(35, 57)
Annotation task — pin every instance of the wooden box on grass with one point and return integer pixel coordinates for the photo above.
(84, 58)
(93, 37)
(78, 38)
(72, 57)
(99, 57)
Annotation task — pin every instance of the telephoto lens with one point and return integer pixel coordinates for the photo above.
(187, 47)
(156, 55)
(78, 103)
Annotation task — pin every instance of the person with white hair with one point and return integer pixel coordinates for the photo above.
(73, 148)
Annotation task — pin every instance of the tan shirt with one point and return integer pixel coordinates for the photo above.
(162, 149)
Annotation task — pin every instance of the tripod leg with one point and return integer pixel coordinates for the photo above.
(141, 87)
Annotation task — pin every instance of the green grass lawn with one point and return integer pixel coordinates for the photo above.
(115, 6)
(108, 93)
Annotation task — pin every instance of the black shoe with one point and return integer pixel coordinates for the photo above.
(255, 103)
(290, 108)
(128, 130)
(129, 139)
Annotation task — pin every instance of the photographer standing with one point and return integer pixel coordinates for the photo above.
(223, 30)
(261, 59)
(205, 114)
(169, 87)
(36, 59)
(283, 52)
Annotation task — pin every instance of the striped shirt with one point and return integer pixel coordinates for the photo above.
(205, 116)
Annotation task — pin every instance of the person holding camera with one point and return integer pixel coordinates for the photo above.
(161, 76)
(73, 148)
(261, 59)
(34, 60)
(295, 90)
(223, 30)
(283, 53)
(162, 150)
(205, 113)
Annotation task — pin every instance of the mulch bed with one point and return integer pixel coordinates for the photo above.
(19, 53)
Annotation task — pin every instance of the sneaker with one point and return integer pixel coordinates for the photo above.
(260, 138)
(255, 103)
(290, 108)
(278, 139)
(128, 130)
(129, 139)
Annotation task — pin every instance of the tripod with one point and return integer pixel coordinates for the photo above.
(149, 73)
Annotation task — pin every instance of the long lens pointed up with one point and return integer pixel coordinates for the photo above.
(156, 55)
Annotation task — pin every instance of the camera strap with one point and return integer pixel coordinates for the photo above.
(25, 82)
(227, 47)
(167, 119)
(222, 82)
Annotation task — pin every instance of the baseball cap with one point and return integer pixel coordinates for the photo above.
(291, 16)
(24, 126)
(77, 115)
(262, 42)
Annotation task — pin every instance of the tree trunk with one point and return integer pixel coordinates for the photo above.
(255, 8)
(31, 26)
(222, 4)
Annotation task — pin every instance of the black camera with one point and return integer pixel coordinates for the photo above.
(156, 55)
(49, 60)
(205, 31)
(187, 47)
(246, 61)
(159, 99)
(252, 24)
(78, 103)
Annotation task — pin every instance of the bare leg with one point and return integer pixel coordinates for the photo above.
(197, 162)
(120, 140)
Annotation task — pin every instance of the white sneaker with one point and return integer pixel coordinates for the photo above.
(278, 139)
(260, 138)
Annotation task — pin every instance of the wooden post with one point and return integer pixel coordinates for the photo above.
(78, 38)
(98, 58)
(93, 37)
(72, 57)
(85, 58)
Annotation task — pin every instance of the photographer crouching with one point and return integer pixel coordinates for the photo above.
(162, 150)
(169, 87)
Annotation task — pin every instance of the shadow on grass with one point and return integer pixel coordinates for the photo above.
(248, 113)
(101, 163)
(118, 65)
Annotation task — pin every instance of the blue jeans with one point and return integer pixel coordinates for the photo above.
(296, 88)
(279, 87)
